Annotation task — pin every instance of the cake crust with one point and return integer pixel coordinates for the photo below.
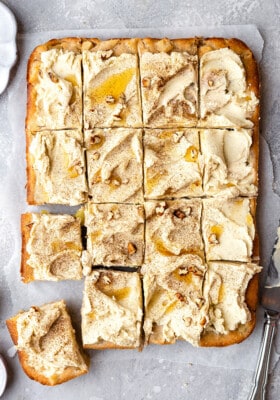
(26, 270)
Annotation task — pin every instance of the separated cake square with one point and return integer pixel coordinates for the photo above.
(46, 344)
(114, 165)
(112, 310)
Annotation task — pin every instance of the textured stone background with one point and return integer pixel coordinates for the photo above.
(157, 378)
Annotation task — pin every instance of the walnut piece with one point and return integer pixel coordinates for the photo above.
(146, 82)
(52, 77)
(161, 208)
(213, 239)
(110, 99)
(96, 155)
(131, 248)
(180, 297)
(179, 214)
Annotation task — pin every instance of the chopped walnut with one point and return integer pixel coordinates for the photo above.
(161, 208)
(210, 82)
(52, 77)
(213, 239)
(131, 248)
(107, 181)
(188, 211)
(179, 214)
(115, 182)
(180, 297)
(203, 321)
(146, 82)
(110, 99)
(177, 136)
(95, 139)
(199, 302)
(106, 54)
(87, 45)
(187, 321)
(125, 181)
(183, 271)
(110, 216)
(195, 271)
(96, 155)
(106, 279)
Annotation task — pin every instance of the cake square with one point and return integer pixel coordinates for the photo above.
(115, 164)
(56, 168)
(230, 162)
(46, 344)
(172, 230)
(168, 70)
(228, 228)
(111, 83)
(229, 84)
(51, 247)
(225, 291)
(174, 304)
(115, 234)
(112, 310)
(54, 76)
(172, 163)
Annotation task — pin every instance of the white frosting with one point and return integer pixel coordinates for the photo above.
(228, 229)
(225, 99)
(112, 309)
(169, 87)
(229, 166)
(59, 167)
(173, 164)
(59, 90)
(111, 92)
(115, 165)
(224, 290)
(174, 307)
